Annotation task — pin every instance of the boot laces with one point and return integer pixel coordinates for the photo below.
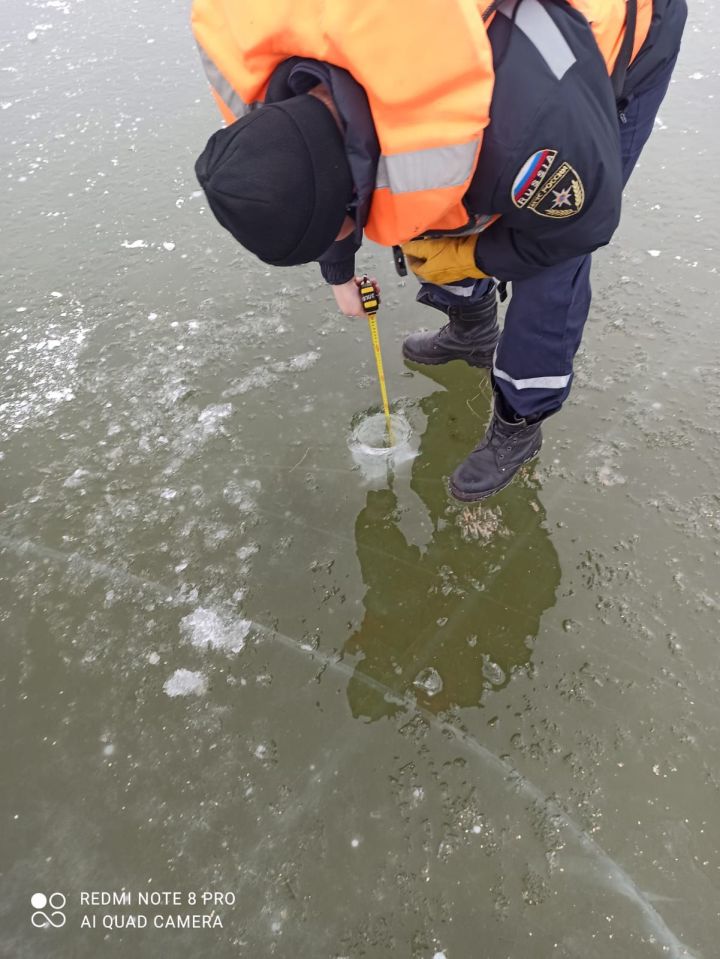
(503, 444)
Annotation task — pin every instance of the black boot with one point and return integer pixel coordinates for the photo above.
(492, 465)
(471, 334)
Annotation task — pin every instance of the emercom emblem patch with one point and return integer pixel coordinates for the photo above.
(531, 175)
(560, 196)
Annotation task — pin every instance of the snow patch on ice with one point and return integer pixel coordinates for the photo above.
(186, 682)
(245, 552)
(211, 417)
(240, 496)
(40, 372)
(304, 361)
(263, 376)
(207, 629)
(607, 475)
(75, 479)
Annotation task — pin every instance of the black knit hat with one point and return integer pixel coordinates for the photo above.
(278, 180)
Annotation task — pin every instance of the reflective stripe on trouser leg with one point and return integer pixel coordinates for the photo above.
(543, 328)
(459, 293)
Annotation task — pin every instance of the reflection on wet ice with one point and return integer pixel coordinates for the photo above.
(444, 610)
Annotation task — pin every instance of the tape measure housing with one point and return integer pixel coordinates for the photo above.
(368, 297)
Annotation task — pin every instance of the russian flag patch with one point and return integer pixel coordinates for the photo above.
(531, 174)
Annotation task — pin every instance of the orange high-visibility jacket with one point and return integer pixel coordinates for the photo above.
(426, 67)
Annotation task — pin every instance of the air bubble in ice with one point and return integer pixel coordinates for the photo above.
(493, 672)
(429, 680)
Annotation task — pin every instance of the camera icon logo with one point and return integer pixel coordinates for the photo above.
(54, 903)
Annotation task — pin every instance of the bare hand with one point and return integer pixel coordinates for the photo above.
(347, 296)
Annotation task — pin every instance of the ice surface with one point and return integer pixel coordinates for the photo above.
(99, 568)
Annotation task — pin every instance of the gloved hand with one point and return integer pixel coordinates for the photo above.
(445, 259)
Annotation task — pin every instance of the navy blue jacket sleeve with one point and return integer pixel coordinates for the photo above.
(574, 210)
(550, 163)
(337, 264)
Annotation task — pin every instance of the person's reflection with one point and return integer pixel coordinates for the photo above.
(462, 611)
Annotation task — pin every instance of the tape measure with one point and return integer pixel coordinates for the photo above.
(371, 302)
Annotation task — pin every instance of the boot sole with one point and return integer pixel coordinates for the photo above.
(464, 497)
(426, 361)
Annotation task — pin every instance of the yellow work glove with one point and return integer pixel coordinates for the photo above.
(446, 259)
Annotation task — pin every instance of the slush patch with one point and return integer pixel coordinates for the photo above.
(531, 175)
(562, 195)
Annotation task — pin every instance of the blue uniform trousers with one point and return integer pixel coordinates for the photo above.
(544, 322)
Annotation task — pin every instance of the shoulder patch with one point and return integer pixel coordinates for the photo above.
(531, 175)
(560, 196)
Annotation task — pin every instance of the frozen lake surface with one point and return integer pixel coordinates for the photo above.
(238, 660)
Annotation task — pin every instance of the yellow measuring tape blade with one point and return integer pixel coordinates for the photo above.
(372, 320)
